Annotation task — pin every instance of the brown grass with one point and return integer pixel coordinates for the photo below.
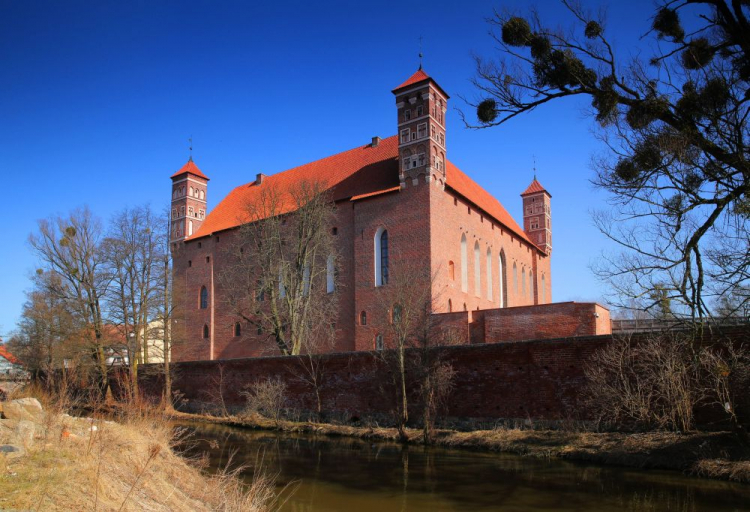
(94, 464)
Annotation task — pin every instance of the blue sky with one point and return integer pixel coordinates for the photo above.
(98, 100)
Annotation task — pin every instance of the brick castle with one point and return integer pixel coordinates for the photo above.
(397, 199)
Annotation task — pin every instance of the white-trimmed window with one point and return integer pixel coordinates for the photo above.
(330, 274)
(405, 136)
(381, 257)
(477, 271)
(489, 274)
(464, 265)
(190, 228)
(422, 130)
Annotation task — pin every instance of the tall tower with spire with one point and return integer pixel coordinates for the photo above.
(189, 190)
(421, 106)
(537, 215)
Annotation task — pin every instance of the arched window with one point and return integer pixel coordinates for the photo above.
(477, 271)
(363, 318)
(204, 297)
(451, 271)
(237, 329)
(450, 306)
(191, 191)
(544, 291)
(515, 278)
(531, 286)
(381, 257)
(190, 228)
(203, 194)
(489, 274)
(379, 345)
(523, 282)
(464, 265)
(206, 332)
(330, 274)
(501, 281)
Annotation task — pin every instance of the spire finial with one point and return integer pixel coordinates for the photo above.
(191, 148)
(420, 52)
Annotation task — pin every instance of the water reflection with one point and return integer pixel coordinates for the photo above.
(342, 474)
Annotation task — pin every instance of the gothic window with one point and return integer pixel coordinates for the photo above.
(330, 274)
(203, 194)
(282, 288)
(191, 191)
(515, 278)
(206, 332)
(464, 265)
(379, 345)
(381, 257)
(531, 287)
(190, 228)
(489, 274)
(523, 282)
(237, 329)
(306, 280)
(501, 270)
(204, 297)
(451, 271)
(363, 318)
(404, 136)
(422, 130)
(477, 271)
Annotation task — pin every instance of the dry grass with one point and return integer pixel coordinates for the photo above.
(94, 464)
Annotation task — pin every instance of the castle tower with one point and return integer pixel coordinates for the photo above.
(189, 189)
(421, 105)
(537, 216)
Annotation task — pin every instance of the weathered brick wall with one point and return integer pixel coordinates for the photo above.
(559, 320)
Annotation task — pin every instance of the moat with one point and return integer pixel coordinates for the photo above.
(317, 473)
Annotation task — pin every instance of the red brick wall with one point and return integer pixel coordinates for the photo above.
(559, 320)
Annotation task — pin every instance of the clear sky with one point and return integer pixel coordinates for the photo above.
(98, 100)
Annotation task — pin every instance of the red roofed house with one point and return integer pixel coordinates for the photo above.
(397, 198)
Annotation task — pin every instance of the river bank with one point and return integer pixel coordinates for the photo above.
(717, 455)
(52, 461)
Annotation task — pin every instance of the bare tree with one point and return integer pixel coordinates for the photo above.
(280, 264)
(70, 247)
(133, 252)
(676, 126)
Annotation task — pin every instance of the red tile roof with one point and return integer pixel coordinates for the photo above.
(419, 76)
(534, 188)
(191, 168)
(7, 355)
(360, 172)
(376, 193)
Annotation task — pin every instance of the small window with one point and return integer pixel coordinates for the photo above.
(208, 259)
(379, 345)
(206, 332)
(413, 135)
(450, 306)
(204, 297)
(190, 263)
(363, 318)
(451, 271)
(335, 231)
(237, 330)
(397, 314)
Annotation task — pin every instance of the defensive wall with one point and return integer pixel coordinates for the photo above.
(536, 379)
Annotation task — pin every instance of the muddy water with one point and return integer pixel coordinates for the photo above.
(318, 473)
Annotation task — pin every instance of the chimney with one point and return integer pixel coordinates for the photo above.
(375, 142)
(259, 178)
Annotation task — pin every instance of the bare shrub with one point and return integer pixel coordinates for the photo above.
(654, 383)
(726, 372)
(267, 398)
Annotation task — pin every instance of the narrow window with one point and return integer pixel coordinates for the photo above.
(404, 136)
(515, 278)
(379, 342)
(190, 228)
(205, 332)
(531, 286)
(420, 111)
(523, 282)
(396, 315)
(363, 318)
(464, 265)
(544, 290)
(407, 114)
(261, 294)
(282, 288)
(190, 263)
(208, 259)
(381, 257)
(503, 293)
(204, 297)
(306, 280)
(330, 274)
(477, 271)
(237, 330)
(450, 306)
(451, 271)
(489, 274)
